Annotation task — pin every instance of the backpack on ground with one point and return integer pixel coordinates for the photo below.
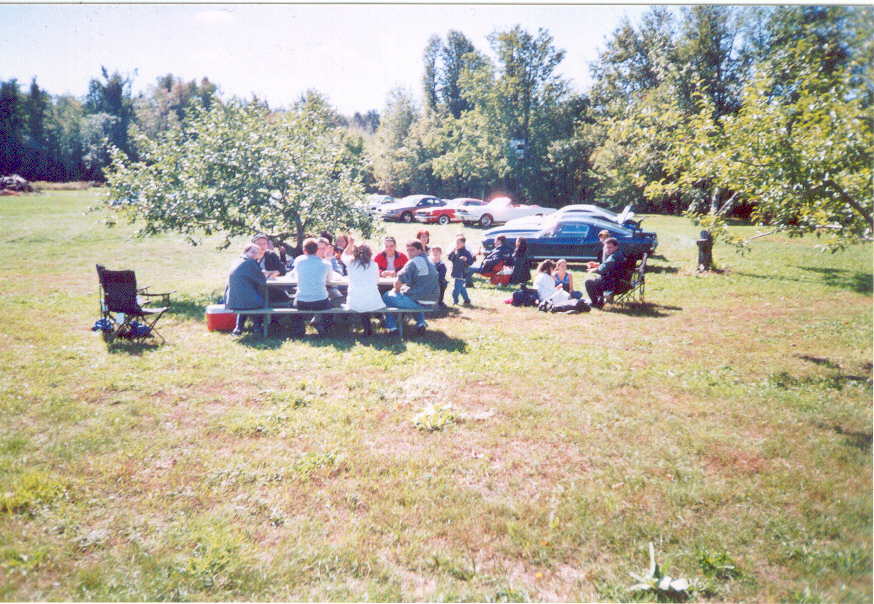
(524, 297)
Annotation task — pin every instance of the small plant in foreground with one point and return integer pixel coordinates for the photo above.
(664, 586)
(435, 416)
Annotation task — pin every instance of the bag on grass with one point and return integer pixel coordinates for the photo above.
(524, 297)
(570, 307)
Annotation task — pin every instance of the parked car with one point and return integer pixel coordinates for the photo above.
(375, 200)
(446, 214)
(404, 209)
(574, 238)
(500, 209)
(581, 209)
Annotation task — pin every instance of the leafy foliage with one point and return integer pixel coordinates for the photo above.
(239, 167)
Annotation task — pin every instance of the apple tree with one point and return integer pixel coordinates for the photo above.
(237, 168)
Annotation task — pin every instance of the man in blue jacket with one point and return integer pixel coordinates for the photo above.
(246, 285)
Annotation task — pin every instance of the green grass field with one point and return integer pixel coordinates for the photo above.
(728, 422)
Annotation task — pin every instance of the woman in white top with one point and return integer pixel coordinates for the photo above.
(364, 296)
(545, 285)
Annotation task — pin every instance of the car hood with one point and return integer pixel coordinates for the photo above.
(395, 205)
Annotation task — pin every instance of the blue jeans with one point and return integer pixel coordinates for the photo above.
(459, 290)
(399, 300)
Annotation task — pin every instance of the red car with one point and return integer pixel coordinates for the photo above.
(446, 214)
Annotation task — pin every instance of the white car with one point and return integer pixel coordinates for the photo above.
(580, 209)
(500, 209)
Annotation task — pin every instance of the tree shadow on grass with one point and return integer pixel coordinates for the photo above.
(661, 269)
(188, 309)
(843, 278)
(854, 438)
(645, 309)
(122, 346)
(348, 335)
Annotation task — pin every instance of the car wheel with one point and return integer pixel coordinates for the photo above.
(406, 217)
(443, 219)
(485, 221)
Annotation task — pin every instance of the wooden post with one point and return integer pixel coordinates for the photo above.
(705, 251)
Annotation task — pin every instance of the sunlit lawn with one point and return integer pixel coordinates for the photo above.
(727, 422)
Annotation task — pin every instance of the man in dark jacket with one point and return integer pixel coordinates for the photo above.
(246, 285)
(610, 273)
(503, 252)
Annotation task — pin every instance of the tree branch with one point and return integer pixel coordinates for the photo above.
(728, 204)
(751, 239)
(847, 198)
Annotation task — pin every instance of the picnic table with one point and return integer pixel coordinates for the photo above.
(289, 283)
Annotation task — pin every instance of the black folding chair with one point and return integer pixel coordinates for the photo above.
(124, 313)
(630, 289)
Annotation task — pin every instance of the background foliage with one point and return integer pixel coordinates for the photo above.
(758, 112)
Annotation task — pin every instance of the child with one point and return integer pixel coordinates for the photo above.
(461, 259)
(441, 273)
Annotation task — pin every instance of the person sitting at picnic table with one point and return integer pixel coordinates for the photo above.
(545, 286)
(503, 252)
(339, 249)
(272, 266)
(312, 274)
(390, 261)
(270, 261)
(419, 277)
(565, 280)
(521, 271)
(610, 273)
(245, 288)
(363, 296)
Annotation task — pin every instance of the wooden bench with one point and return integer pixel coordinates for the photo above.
(338, 310)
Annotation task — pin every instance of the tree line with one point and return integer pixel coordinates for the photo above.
(712, 110)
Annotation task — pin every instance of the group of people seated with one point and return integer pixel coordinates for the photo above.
(416, 281)
(420, 277)
(553, 282)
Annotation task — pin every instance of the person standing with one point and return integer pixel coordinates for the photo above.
(521, 271)
(461, 259)
(442, 281)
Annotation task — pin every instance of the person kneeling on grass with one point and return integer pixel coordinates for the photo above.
(246, 284)
(419, 276)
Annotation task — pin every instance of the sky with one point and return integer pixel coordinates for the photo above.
(353, 53)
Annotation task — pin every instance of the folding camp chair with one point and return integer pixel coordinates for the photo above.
(121, 310)
(630, 289)
(144, 298)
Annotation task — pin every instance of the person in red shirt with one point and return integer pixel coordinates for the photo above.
(390, 261)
